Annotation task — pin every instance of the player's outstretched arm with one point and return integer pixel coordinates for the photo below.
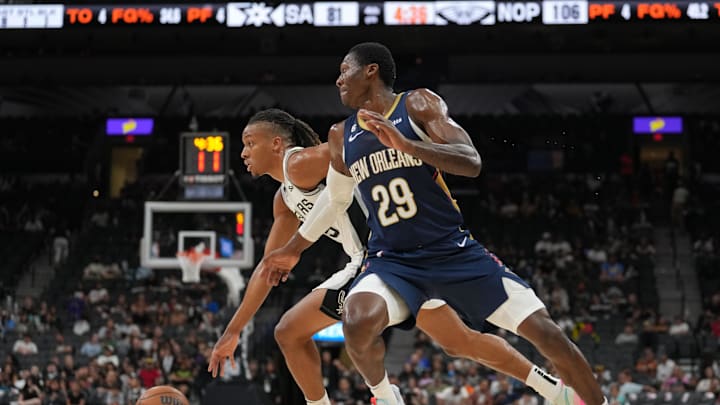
(451, 149)
(284, 225)
(332, 202)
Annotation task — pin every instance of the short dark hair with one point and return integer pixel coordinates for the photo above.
(295, 131)
(374, 52)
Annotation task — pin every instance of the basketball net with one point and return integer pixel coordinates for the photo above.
(191, 263)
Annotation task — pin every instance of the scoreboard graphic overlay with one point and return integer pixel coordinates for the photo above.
(248, 15)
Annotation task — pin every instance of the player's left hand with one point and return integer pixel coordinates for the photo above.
(224, 349)
(384, 130)
(276, 265)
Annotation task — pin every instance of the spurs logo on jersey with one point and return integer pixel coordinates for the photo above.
(300, 202)
(341, 302)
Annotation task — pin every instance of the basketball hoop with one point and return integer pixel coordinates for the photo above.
(191, 262)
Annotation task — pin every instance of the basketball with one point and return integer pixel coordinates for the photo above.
(163, 394)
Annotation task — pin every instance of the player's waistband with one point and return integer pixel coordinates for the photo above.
(448, 244)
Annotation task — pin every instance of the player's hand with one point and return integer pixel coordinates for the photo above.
(276, 265)
(384, 130)
(224, 349)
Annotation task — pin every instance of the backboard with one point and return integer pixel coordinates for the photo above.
(221, 229)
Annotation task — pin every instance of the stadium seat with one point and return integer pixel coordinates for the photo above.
(686, 347)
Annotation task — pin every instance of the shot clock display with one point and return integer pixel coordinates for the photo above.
(203, 158)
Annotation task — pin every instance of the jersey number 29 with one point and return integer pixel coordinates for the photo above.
(399, 192)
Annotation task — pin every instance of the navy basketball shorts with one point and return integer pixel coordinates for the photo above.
(465, 275)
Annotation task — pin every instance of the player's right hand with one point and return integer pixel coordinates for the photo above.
(224, 348)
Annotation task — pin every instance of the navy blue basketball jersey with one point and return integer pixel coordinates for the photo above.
(409, 204)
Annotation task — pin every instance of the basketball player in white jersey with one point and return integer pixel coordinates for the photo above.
(287, 149)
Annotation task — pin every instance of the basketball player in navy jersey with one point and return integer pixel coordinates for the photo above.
(288, 150)
(394, 150)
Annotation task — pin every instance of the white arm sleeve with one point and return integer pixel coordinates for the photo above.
(332, 202)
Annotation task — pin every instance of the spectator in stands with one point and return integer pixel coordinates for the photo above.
(503, 390)
(136, 352)
(627, 336)
(166, 359)
(75, 395)
(627, 386)
(709, 382)
(596, 254)
(715, 326)
(134, 390)
(109, 332)
(184, 372)
(679, 200)
(665, 368)
(526, 399)
(679, 327)
(704, 246)
(6, 324)
(408, 372)
(559, 300)
(612, 270)
(34, 224)
(92, 347)
(51, 371)
(100, 218)
(140, 310)
(54, 393)
(678, 376)
(61, 248)
(76, 306)
(98, 295)
(81, 326)
(544, 247)
(413, 394)
(30, 394)
(271, 383)
(344, 394)
(113, 395)
(561, 246)
(481, 394)
(25, 346)
(108, 356)
(330, 371)
(647, 364)
(644, 249)
(566, 323)
(456, 394)
(653, 326)
(613, 395)
(599, 305)
(210, 325)
(67, 368)
(50, 319)
(150, 374)
(509, 209)
(128, 327)
(22, 325)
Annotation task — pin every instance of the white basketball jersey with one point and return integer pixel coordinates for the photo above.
(302, 201)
